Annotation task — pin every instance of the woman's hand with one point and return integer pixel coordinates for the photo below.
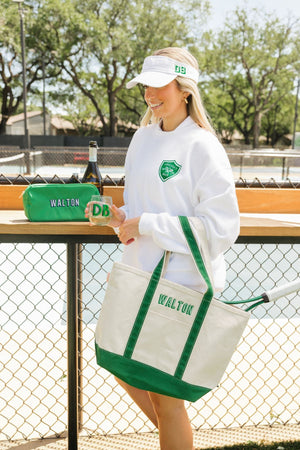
(86, 211)
(129, 230)
(117, 216)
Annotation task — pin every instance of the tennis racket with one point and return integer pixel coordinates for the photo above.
(269, 296)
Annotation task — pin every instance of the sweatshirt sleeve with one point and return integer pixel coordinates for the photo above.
(214, 204)
(217, 208)
(124, 207)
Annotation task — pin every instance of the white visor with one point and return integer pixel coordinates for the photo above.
(158, 71)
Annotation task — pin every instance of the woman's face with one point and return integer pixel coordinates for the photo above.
(167, 103)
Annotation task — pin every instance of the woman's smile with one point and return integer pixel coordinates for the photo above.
(167, 103)
(155, 106)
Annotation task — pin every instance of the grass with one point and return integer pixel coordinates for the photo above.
(253, 446)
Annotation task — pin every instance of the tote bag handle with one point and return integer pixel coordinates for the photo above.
(146, 302)
(205, 303)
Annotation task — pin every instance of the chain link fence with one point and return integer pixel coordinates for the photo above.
(260, 385)
(55, 159)
(47, 160)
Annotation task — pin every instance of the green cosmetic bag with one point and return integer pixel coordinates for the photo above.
(57, 202)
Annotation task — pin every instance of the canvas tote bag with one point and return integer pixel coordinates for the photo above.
(160, 336)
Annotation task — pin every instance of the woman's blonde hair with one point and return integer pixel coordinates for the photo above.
(195, 106)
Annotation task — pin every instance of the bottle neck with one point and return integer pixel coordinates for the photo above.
(93, 154)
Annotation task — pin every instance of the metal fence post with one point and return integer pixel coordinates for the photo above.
(72, 320)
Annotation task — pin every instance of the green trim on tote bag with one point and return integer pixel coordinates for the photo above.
(146, 302)
(202, 311)
(139, 374)
(189, 376)
(145, 305)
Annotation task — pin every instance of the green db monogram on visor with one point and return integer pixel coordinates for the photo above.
(158, 71)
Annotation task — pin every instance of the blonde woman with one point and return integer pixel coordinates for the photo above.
(175, 165)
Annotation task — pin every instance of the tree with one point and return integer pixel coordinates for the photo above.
(253, 61)
(276, 123)
(91, 48)
(229, 112)
(40, 59)
(10, 62)
(81, 112)
(104, 43)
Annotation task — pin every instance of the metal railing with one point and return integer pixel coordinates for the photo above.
(286, 158)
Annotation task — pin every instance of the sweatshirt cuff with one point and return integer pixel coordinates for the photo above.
(124, 209)
(146, 223)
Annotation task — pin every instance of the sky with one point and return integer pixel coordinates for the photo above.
(219, 8)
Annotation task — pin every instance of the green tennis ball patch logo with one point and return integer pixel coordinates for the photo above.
(169, 169)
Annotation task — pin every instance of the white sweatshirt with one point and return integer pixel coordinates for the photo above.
(181, 172)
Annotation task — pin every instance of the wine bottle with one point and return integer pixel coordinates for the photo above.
(92, 173)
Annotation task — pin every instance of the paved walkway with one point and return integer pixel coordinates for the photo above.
(204, 439)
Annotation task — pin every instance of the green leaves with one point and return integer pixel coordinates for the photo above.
(104, 44)
(90, 49)
(253, 59)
